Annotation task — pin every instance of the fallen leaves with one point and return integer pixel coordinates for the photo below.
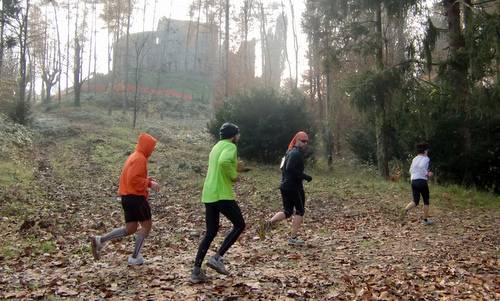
(354, 251)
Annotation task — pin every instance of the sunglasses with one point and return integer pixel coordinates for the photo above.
(304, 141)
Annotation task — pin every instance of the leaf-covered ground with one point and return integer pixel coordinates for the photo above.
(357, 248)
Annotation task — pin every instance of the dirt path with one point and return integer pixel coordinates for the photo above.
(355, 249)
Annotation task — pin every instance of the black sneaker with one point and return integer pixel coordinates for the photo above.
(217, 265)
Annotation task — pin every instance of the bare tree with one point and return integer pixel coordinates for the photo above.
(295, 43)
(68, 20)
(246, 18)
(196, 50)
(264, 42)
(226, 65)
(21, 114)
(78, 51)
(125, 68)
(58, 66)
(285, 32)
(139, 43)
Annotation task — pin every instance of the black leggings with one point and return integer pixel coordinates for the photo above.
(231, 210)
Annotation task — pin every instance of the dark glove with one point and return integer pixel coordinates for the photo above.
(308, 178)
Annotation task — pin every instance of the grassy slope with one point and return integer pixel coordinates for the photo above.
(63, 190)
(196, 85)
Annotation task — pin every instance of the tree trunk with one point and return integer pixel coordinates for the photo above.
(115, 53)
(187, 43)
(328, 131)
(247, 8)
(295, 45)
(135, 98)
(91, 43)
(266, 55)
(67, 46)
(95, 49)
(125, 69)
(77, 61)
(459, 69)
(380, 111)
(2, 37)
(226, 65)
(21, 113)
(58, 54)
(285, 24)
(77, 72)
(196, 50)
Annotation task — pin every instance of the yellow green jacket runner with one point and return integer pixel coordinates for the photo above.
(221, 174)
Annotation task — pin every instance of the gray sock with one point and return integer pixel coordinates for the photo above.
(116, 233)
(139, 241)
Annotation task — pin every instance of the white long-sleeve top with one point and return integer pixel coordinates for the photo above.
(419, 167)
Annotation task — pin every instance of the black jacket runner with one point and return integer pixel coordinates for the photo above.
(293, 174)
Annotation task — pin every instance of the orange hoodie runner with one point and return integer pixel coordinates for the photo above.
(134, 178)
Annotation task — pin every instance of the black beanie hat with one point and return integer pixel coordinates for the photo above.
(228, 130)
(422, 147)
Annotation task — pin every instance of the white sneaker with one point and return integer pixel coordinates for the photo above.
(95, 241)
(139, 260)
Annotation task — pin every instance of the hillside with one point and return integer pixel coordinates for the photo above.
(58, 186)
(170, 94)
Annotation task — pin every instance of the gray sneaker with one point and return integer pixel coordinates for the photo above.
(427, 222)
(217, 264)
(139, 260)
(95, 241)
(295, 241)
(197, 276)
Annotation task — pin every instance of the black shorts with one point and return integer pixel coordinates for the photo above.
(136, 208)
(293, 199)
(420, 187)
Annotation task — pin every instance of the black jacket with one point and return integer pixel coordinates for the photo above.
(292, 173)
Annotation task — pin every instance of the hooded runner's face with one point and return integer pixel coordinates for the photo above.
(302, 144)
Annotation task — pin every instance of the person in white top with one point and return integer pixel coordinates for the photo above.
(419, 171)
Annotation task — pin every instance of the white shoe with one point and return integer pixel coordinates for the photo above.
(139, 260)
(96, 246)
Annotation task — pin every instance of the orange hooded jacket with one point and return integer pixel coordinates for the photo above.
(134, 178)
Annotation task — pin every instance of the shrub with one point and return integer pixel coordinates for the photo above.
(267, 120)
(362, 143)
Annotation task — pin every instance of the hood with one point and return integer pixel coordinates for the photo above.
(146, 144)
(299, 136)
